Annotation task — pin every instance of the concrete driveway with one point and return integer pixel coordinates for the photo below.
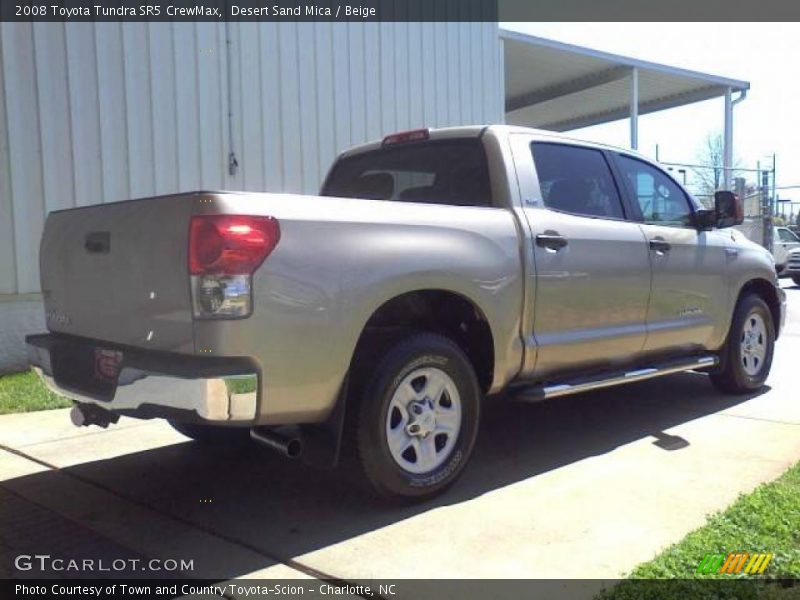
(582, 487)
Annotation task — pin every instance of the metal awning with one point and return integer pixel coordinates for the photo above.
(557, 86)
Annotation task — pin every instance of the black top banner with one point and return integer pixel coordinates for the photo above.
(399, 10)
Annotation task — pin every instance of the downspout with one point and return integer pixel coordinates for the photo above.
(233, 164)
(727, 166)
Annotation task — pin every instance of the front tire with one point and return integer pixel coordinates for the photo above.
(746, 358)
(417, 418)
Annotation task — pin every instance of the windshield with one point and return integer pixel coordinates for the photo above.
(438, 172)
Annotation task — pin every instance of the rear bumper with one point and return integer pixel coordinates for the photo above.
(148, 384)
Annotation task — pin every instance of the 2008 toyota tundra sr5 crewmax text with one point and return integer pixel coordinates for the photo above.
(435, 268)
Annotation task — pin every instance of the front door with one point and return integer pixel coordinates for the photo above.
(592, 269)
(689, 302)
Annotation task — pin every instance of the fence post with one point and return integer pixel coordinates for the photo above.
(766, 210)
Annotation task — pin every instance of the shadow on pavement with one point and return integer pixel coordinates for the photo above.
(285, 509)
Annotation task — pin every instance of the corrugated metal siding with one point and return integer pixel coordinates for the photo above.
(103, 112)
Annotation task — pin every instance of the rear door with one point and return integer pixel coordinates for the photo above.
(592, 280)
(689, 302)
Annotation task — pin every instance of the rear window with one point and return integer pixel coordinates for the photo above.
(440, 172)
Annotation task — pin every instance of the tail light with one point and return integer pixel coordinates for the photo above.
(224, 252)
(415, 135)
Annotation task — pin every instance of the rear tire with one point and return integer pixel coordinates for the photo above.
(213, 434)
(417, 418)
(746, 357)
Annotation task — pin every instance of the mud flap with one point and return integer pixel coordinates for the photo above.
(322, 442)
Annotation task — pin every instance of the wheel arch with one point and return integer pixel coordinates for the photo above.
(442, 311)
(765, 289)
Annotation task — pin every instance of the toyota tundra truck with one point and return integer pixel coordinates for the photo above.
(436, 270)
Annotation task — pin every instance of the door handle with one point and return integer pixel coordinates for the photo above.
(660, 245)
(98, 242)
(553, 241)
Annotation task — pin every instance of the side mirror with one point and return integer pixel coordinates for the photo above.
(705, 219)
(728, 208)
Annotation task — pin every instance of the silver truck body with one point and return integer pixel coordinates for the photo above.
(606, 301)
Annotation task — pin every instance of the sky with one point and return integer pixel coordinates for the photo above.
(765, 54)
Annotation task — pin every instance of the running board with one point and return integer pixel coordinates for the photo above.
(535, 393)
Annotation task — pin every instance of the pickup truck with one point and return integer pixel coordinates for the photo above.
(435, 269)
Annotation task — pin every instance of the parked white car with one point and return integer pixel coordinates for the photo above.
(784, 241)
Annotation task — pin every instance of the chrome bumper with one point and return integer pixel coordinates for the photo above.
(231, 396)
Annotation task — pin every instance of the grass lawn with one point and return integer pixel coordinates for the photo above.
(766, 520)
(24, 392)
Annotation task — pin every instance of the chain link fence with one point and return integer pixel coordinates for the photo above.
(753, 226)
(752, 185)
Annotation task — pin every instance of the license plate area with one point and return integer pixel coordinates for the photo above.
(89, 370)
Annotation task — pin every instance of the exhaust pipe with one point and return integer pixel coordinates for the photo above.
(290, 446)
(83, 415)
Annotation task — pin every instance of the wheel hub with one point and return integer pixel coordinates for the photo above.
(422, 421)
(748, 342)
(753, 344)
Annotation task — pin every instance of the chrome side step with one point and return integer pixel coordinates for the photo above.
(536, 393)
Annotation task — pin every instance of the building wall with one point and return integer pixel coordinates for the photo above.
(99, 112)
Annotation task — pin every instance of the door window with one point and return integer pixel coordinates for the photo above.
(661, 200)
(787, 236)
(576, 180)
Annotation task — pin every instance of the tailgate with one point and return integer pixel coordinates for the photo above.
(118, 272)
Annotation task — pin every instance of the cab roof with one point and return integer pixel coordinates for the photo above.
(476, 131)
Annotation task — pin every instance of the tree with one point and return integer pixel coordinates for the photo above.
(709, 175)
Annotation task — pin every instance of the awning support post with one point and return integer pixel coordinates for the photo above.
(727, 160)
(634, 108)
